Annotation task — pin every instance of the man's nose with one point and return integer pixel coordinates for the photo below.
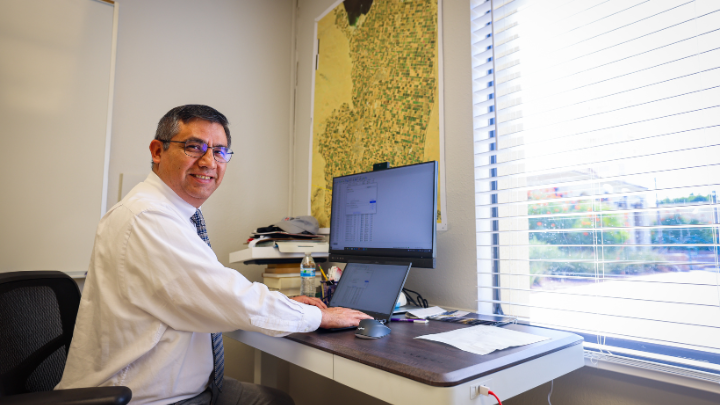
(207, 160)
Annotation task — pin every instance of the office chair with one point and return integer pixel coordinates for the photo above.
(37, 320)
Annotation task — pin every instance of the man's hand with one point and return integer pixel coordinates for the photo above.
(337, 317)
(310, 301)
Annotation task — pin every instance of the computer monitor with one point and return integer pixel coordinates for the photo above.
(385, 216)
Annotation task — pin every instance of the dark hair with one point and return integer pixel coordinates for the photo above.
(169, 124)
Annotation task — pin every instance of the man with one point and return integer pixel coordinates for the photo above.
(155, 293)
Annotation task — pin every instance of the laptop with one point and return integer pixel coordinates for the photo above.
(370, 288)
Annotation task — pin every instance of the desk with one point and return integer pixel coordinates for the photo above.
(401, 370)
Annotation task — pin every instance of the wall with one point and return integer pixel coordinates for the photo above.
(453, 282)
(591, 386)
(233, 56)
(54, 90)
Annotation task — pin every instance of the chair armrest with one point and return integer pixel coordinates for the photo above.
(76, 396)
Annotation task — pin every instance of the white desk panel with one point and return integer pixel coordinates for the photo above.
(396, 389)
(505, 384)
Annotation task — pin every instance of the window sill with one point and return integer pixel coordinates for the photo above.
(654, 371)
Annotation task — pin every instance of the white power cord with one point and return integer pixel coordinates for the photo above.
(551, 388)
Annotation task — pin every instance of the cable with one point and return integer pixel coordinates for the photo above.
(484, 390)
(496, 397)
(551, 388)
(421, 302)
(410, 299)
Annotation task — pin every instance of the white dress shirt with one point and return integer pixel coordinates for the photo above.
(154, 292)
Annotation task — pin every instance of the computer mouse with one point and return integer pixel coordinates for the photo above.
(371, 329)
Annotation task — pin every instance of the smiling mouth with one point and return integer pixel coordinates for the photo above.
(201, 177)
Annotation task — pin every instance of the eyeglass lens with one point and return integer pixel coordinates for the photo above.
(196, 149)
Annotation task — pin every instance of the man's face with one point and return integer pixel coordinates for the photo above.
(193, 179)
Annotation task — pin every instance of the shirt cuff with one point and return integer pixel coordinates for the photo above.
(313, 317)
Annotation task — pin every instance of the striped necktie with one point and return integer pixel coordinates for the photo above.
(217, 342)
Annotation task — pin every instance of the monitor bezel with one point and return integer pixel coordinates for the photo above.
(418, 259)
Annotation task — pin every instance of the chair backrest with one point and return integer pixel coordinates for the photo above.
(37, 318)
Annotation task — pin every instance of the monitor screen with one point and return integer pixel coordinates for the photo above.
(385, 216)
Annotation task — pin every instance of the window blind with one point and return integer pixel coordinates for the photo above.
(597, 165)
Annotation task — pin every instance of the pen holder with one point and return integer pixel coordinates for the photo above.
(328, 291)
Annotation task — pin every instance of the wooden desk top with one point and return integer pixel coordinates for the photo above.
(428, 362)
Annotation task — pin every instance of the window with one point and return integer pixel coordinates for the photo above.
(597, 167)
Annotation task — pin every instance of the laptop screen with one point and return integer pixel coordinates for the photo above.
(370, 288)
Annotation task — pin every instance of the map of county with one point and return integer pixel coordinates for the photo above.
(376, 96)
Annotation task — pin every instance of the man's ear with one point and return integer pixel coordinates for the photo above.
(156, 149)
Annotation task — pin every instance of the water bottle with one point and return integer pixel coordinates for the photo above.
(307, 276)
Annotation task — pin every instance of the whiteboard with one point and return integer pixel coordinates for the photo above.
(56, 76)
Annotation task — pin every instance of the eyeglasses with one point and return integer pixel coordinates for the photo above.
(196, 149)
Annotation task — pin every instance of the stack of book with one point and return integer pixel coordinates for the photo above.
(285, 277)
(282, 252)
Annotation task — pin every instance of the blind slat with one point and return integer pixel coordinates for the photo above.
(596, 130)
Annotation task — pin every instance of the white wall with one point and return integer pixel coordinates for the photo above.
(453, 282)
(54, 89)
(591, 386)
(234, 56)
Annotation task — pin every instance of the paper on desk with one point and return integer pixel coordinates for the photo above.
(425, 312)
(483, 339)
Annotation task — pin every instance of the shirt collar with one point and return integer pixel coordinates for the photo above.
(185, 209)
